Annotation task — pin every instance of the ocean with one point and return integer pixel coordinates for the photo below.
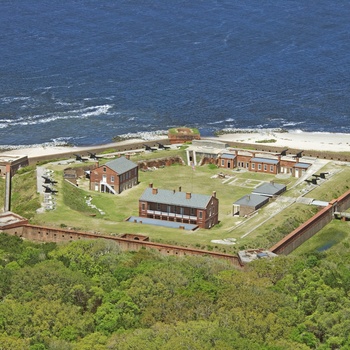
(83, 72)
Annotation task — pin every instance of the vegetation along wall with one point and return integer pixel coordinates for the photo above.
(48, 234)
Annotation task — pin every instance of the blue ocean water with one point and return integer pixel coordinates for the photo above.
(85, 71)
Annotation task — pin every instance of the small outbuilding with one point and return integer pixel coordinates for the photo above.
(300, 169)
(248, 204)
(270, 189)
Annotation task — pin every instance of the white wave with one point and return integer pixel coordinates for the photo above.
(145, 135)
(296, 131)
(96, 111)
(217, 122)
(43, 119)
(292, 123)
(54, 143)
(10, 99)
(251, 130)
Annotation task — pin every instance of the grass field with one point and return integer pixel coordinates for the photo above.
(333, 236)
(270, 224)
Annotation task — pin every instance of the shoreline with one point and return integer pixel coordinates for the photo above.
(316, 141)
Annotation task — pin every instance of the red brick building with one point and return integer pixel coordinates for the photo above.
(177, 206)
(114, 176)
(262, 163)
(265, 165)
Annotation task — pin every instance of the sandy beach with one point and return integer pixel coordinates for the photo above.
(332, 142)
(38, 151)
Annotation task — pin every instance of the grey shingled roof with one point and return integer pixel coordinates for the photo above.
(228, 156)
(302, 165)
(121, 165)
(176, 198)
(264, 160)
(251, 200)
(270, 188)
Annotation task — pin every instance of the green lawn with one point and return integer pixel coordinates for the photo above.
(336, 183)
(334, 236)
(262, 230)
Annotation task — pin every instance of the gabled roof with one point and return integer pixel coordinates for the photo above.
(175, 198)
(269, 189)
(121, 165)
(251, 200)
(264, 160)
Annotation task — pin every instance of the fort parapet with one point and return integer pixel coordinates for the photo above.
(127, 243)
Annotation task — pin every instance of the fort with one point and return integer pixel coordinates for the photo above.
(13, 224)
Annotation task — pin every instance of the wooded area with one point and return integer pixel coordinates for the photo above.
(89, 295)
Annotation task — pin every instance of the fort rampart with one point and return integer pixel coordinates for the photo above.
(134, 243)
(133, 146)
(311, 226)
(48, 234)
(115, 148)
(344, 157)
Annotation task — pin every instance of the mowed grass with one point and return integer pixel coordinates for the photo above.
(264, 229)
(337, 182)
(333, 237)
(118, 208)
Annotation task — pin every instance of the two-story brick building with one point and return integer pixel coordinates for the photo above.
(114, 176)
(178, 206)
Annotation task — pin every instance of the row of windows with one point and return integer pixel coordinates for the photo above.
(243, 164)
(265, 167)
(123, 177)
(174, 209)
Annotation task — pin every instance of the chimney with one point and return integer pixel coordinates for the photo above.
(179, 188)
(97, 164)
(214, 194)
(127, 156)
(154, 190)
(151, 185)
(188, 195)
(174, 191)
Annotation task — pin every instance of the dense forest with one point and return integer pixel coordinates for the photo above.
(90, 295)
